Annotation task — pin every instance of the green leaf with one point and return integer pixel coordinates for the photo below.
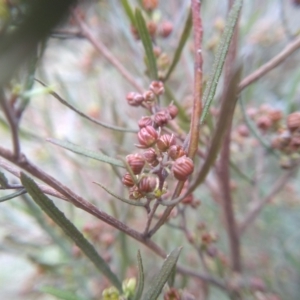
(60, 294)
(219, 61)
(69, 229)
(165, 272)
(88, 153)
(140, 279)
(3, 180)
(64, 102)
(13, 195)
(147, 43)
(131, 202)
(184, 37)
(129, 12)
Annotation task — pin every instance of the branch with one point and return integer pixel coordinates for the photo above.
(271, 64)
(86, 32)
(193, 136)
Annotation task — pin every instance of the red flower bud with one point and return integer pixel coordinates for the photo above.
(149, 96)
(157, 87)
(150, 157)
(173, 111)
(127, 180)
(166, 28)
(176, 151)
(147, 184)
(165, 142)
(161, 118)
(293, 121)
(134, 99)
(147, 136)
(150, 4)
(182, 168)
(145, 121)
(136, 162)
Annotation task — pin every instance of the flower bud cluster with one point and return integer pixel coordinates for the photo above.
(286, 132)
(161, 154)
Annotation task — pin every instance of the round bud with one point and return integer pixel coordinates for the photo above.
(127, 180)
(147, 185)
(161, 118)
(145, 121)
(165, 29)
(150, 157)
(152, 27)
(147, 136)
(157, 87)
(264, 123)
(293, 121)
(149, 96)
(136, 162)
(150, 4)
(176, 151)
(165, 142)
(134, 99)
(173, 111)
(182, 168)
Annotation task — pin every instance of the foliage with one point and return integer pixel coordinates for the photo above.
(172, 139)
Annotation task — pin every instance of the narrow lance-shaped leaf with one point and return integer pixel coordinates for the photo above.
(140, 280)
(147, 43)
(105, 125)
(165, 272)
(69, 229)
(226, 114)
(184, 37)
(129, 12)
(60, 294)
(88, 153)
(3, 180)
(219, 61)
(13, 195)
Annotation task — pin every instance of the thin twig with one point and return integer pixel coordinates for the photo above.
(86, 32)
(13, 122)
(193, 136)
(46, 189)
(271, 64)
(257, 206)
(150, 217)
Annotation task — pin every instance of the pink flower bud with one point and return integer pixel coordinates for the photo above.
(182, 168)
(127, 180)
(173, 111)
(176, 151)
(147, 136)
(166, 28)
(165, 142)
(157, 87)
(150, 157)
(147, 184)
(145, 121)
(134, 99)
(161, 118)
(149, 96)
(136, 162)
